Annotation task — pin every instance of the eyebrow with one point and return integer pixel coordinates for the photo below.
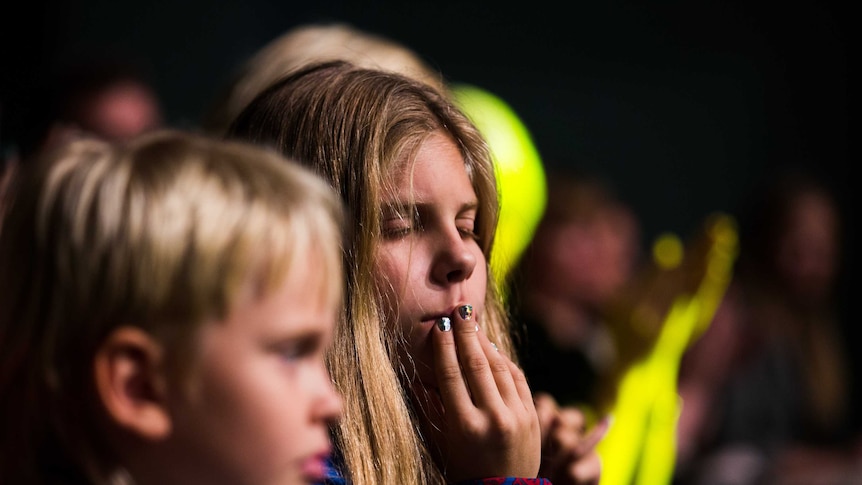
(403, 207)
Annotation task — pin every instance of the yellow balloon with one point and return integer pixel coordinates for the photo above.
(519, 170)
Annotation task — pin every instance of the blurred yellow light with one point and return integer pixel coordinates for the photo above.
(668, 251)
(519, 170)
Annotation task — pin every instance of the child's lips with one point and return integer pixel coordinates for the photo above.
(434, 317)
(314, 468)
(432, 320)
(452, 313)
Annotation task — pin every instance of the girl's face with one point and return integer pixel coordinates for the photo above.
(807, 255)
(429, 261)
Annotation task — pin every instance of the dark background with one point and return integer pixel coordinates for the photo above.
(683, 106)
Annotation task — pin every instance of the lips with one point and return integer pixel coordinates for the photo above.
(314, 468)
(432, 320)
(429, 319)
(433, 317)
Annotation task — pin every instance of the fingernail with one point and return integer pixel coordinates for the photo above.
(466, 311)
(444, 324)
(495, 346)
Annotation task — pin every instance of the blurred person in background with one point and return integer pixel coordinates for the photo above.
(109, 98)
(105, 97)
(585, 249)
(765, 391)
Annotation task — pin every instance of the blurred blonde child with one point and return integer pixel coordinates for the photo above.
(165, 306)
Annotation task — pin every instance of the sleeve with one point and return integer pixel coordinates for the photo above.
(506, 481)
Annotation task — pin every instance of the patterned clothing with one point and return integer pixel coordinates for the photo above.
(507, 481)
(333, 477)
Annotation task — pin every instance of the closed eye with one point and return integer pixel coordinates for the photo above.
(466, 221)
(468, 229)
(400, 222)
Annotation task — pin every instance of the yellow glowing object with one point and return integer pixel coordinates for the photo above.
(640, 448)
(520, 174)
(667, 251)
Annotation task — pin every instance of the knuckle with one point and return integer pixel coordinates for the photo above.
(565, 441)
(518, 375)
(476, 363)
(573, 418)
(504, 425)
(474, 429)
(499, 367)
(586, 470)
(449, 373)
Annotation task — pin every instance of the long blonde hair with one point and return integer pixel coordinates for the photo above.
(352, 126)
(160, 234)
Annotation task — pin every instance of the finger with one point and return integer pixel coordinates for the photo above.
(521, 386)
(450, 380)
(574, 448)
(572, 419)
(511, 383)
(473, 357)
(546, 409)
(587, 470)
(595, 436)
(566, 431)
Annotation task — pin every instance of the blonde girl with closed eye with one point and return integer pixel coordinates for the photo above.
(423, 358)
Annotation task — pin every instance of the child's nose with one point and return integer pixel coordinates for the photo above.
(328, 406)
(455, 261)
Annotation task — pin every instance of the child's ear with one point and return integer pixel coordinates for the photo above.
(131, 383)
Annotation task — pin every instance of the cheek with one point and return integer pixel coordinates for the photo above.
(388, 280)
(391, 269)
(399, 273)
(479, 279)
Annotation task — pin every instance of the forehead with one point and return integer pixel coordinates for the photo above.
(435, 162)
(317, 271)
(311, 264)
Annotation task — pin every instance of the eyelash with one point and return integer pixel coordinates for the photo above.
(402, 231)
(297, 350)
(471, 233)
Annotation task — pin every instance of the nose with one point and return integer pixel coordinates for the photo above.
(454, 261)
(328, 406)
